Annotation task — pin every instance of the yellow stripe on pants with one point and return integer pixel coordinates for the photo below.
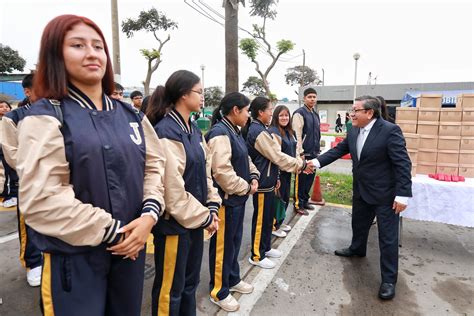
(169, 265)
(258, 228)
(297, 200)
(46, 288)
(219, 265)
(23, 238)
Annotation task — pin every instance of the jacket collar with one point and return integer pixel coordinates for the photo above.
(230, 126)
(84, 101)
(180, 121)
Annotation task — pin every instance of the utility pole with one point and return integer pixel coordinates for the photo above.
(115, 41)
(302, 76)
(231, 46)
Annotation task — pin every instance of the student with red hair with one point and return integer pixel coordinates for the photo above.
(90, 177)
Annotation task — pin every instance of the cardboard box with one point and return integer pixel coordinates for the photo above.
(429, 101)
(450, 115)
(413, 154)
(412, 140)
(467, 143)
(466, 157)
(428, 114)
(447, 157)
(452, 169)
(427, 128)
(428, 142)
(407, 126)
(467, 129)
(467, 116)
(425, 167)
(427, 155)
(413, 169)
(406, 114)
(466, 170)
(449, 129)
(465, 101)
(449, 142)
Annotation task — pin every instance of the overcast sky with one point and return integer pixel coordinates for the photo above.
(403, 41)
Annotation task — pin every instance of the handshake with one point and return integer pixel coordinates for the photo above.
(310, 167)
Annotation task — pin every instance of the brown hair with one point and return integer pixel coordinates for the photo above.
(276, 122)
(51, 78)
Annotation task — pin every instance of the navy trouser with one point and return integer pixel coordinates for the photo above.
(304, 184)
(387, 223)
(224, 251)
(94, 283)
(262, 224)
(30, 256)
(177, 267)
(10, 187)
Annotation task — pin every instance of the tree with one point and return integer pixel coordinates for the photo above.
(232, 45)
(254, 86)
(213, 96)
(302, 76)
(250, 46)
(10, 60)
(151, 21)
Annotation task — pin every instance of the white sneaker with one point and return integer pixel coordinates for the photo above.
(279, 233)
(273, 253)
(229, 304)
(285, 228)
(265, 263)
(242, 287)
(33, 276)
(10, 202)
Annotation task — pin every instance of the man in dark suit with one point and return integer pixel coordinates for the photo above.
(381, 185)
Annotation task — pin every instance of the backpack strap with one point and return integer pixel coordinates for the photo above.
(57, 110)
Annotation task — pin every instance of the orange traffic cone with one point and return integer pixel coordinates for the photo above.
(317, 197)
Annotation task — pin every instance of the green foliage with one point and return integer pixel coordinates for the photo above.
(149, 21)
(336, 188)
(285, 46)
(213, 96)
(301, 75)
(249, 47)
(254, 86)
(150, 54)
(10, 60)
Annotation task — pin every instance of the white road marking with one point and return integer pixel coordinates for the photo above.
(8, 238)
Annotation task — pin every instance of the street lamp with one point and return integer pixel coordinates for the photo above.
(356, 58)
(202, 83)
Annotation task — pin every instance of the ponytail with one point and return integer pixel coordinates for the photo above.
(227, 104)
(156, 106)
(216, 115)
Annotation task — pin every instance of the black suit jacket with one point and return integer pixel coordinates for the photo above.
(384, 169)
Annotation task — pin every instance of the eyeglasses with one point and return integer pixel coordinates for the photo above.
(355, 111)
(198, 92)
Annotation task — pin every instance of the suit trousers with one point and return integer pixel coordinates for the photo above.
(224, 251)
(363, 215)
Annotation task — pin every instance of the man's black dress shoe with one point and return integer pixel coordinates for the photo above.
(387, 291)
(309, 207)
(347, 252)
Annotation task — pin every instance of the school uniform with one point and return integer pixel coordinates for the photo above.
(191, 199)
(30, 255)
(267, 156)
(306, 124)
(288, 146)
(232, 171)
(84, 174)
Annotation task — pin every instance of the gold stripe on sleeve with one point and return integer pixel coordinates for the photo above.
(171, 252)
(219, 264)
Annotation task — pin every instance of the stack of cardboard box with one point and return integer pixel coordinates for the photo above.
(439, 140)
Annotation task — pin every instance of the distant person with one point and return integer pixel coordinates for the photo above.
(348, 122)
(306, 124)
(338, 128)
(382, 185)
(30, 255)
(117, 94)
(384, 110)
(137, 98)
(10, 187)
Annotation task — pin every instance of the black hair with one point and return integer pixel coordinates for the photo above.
(276, 122)
(258, 104)
(7, 103)
(164, 98)
(384, 110)
(309, 91)
(118, 86)
(136, 93)
(370, 103)
(227, 104)
(27, 81)
(144, 105)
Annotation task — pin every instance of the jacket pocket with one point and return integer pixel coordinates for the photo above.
(66, 273)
